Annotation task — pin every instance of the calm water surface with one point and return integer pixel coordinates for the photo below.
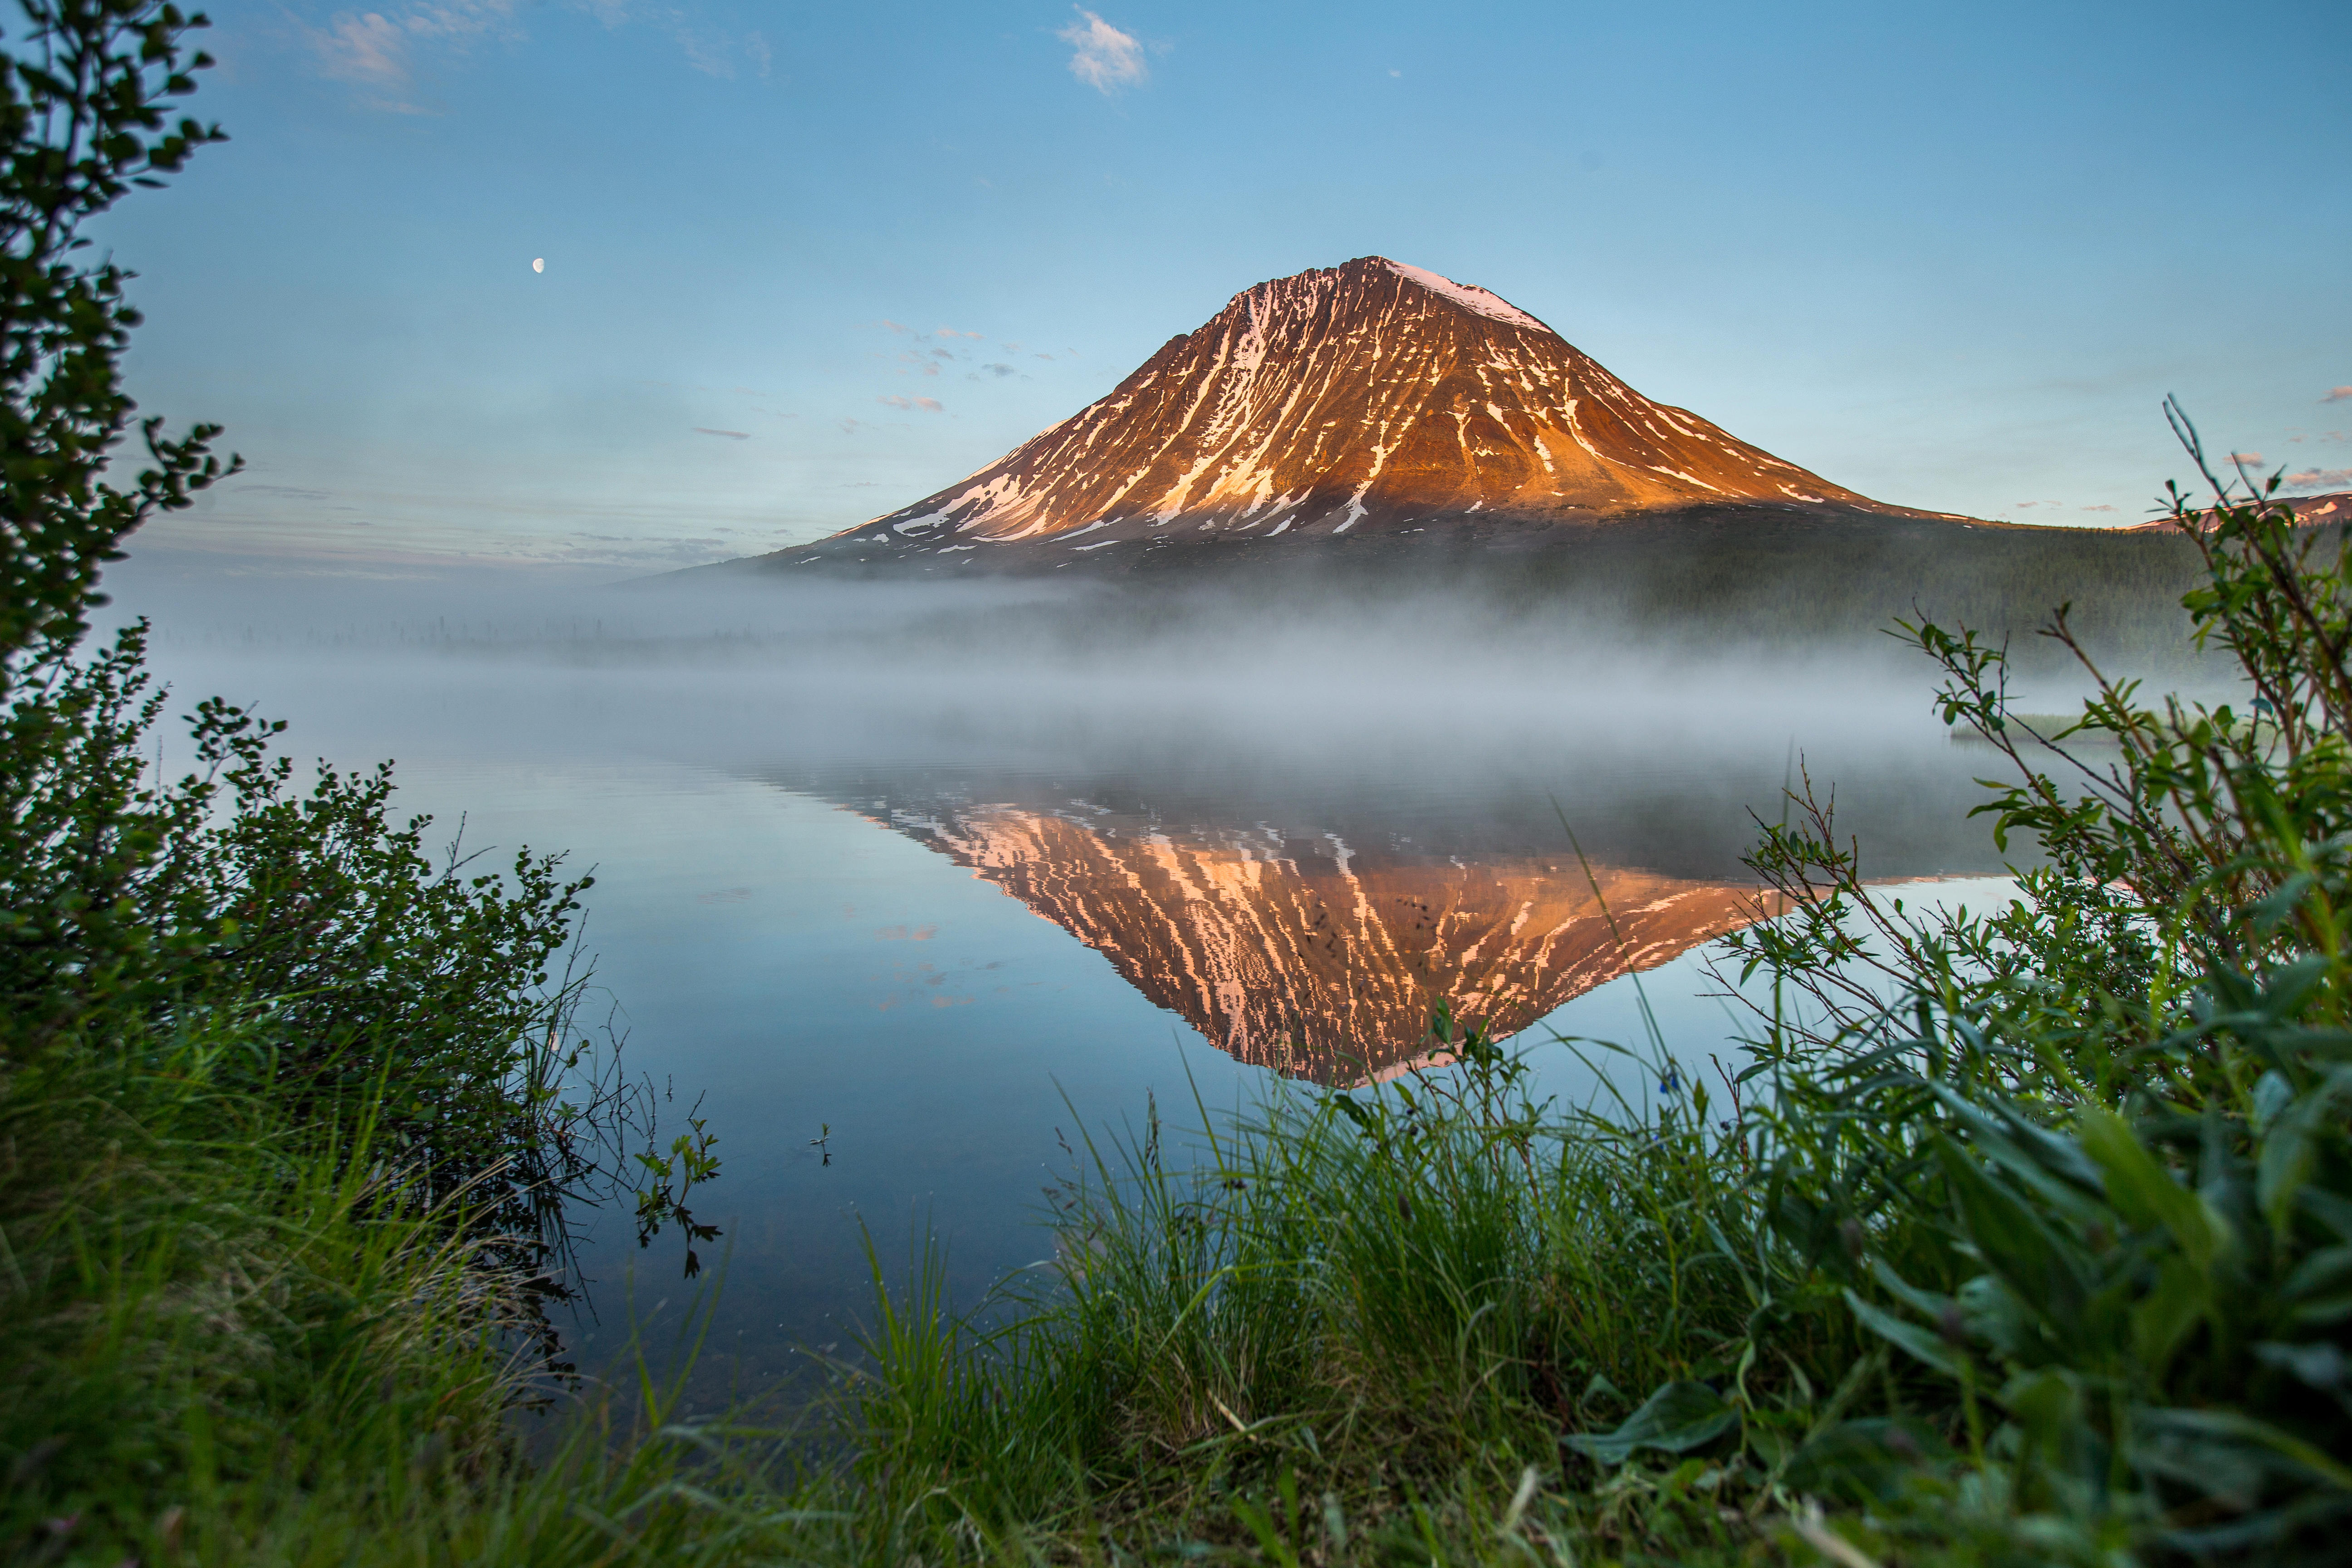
(950, 924)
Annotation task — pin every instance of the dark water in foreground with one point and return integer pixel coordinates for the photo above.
(901, 936)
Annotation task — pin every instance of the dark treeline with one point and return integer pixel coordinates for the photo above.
(1733, 577)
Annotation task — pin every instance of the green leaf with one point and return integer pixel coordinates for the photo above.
(2145, 1194)
(2162, 1318)
(1678, 1418)
(1922, 1343)
(2040, 1269)
(2272, 1094)
(2224, 1429)
(1925, 1302)
(2267, 913)
(2320, 1364)
(2325, 1272)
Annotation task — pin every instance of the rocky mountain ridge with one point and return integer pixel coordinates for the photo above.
(1368, 398)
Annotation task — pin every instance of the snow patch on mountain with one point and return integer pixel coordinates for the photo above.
(1468, 296)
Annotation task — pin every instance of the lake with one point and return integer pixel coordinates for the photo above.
(906, 917)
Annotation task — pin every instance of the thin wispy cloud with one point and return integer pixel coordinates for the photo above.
(707, 49)
(952, 333)
(2322, 479)
(386, 49)
(730, 434)
(1104, 58)
(2247, 459)
(928, 404)
(2338, 394)
(379, 48)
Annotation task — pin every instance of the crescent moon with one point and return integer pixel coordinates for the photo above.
(539, 264)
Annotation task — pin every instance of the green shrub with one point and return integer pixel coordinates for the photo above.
(289, 1109)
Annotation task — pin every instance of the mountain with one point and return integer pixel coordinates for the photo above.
(2312, 512)
(1319, 960)
(1370, 398)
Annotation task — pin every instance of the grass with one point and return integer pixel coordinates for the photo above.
(1387, 1304)
(1352, 1327)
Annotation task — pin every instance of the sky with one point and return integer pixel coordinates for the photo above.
(613, 287)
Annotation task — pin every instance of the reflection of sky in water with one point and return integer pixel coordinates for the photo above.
(779, 952)
(801, 967)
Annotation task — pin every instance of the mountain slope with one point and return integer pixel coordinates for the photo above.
(1368, 398)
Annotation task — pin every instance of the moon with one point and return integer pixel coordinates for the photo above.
(539, 264)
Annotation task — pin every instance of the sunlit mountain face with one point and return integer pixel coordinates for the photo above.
(1321, 959)
(1370, 398)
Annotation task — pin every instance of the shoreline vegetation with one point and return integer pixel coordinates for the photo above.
(2019, 1235)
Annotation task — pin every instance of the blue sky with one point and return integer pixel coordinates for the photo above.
(1951, 257)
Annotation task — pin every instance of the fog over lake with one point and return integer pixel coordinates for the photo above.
(948, 870)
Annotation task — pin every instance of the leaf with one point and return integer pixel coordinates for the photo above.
(2321, 1363)
(2145, 1194)
(1678, 1418)
(2013, 1240)
(2290, 1150)
(2272, 1094)
(2333, 1210)
(2162, 1318)
(2293, 984)
(1922, 1343)
(1866, 1459)
(2219, 1430)
(1926, 1302)
(2328, 1269)
(2268, 913)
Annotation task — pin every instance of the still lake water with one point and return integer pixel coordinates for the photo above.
(950, 916)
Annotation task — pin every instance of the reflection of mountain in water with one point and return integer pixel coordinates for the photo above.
(1315, 958)
(1308, 912)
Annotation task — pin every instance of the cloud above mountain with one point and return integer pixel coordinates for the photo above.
(1105, 59)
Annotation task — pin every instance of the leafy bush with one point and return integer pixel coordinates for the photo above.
(2087, 1166)
(289, 1108)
